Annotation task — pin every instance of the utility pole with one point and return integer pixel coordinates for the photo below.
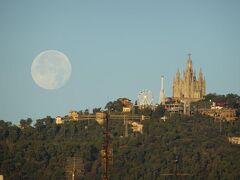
(126, 126)
(176, 174)
(126, 130)
(105, 151)
(74, 167)
(220, 126)
(88, 122)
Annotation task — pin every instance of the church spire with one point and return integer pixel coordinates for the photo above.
(178, 74)
(194, 75)
(189, 87)
(189, 69)
(200, 75)
(189, 62)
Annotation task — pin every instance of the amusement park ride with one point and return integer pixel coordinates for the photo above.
(145, 98)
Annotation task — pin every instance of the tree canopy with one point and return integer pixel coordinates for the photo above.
(40, 150)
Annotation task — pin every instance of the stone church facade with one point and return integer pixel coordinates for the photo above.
(189, 87)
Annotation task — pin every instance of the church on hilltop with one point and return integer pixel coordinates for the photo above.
(189, 87)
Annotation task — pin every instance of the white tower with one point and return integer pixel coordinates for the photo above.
(162, 95)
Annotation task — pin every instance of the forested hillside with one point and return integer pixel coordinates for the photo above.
(40, 151)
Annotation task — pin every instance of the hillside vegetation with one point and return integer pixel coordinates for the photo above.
(41, 151)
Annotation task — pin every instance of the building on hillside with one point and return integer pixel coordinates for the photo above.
(59, 120)
(101, 117)
(227, 114)
(189, 86)
(73, 115)
(168, 100)
(127, 104)
(137, 127)
(127, 109)
(234, 140)
(125, 101)
(174, 108)
(218, 105)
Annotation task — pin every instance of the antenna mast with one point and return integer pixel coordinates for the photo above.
(162, 94)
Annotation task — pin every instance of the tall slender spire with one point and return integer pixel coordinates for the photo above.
(200, 75)
(189, 62)
(178, 74)
(194, 75)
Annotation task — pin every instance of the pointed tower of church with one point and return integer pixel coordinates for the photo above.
(189, 87)
(201, 83)
(176, 84)
(189, 68)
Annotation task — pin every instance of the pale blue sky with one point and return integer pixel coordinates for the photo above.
(116, 48)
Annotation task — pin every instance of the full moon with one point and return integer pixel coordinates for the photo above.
(51, 69)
